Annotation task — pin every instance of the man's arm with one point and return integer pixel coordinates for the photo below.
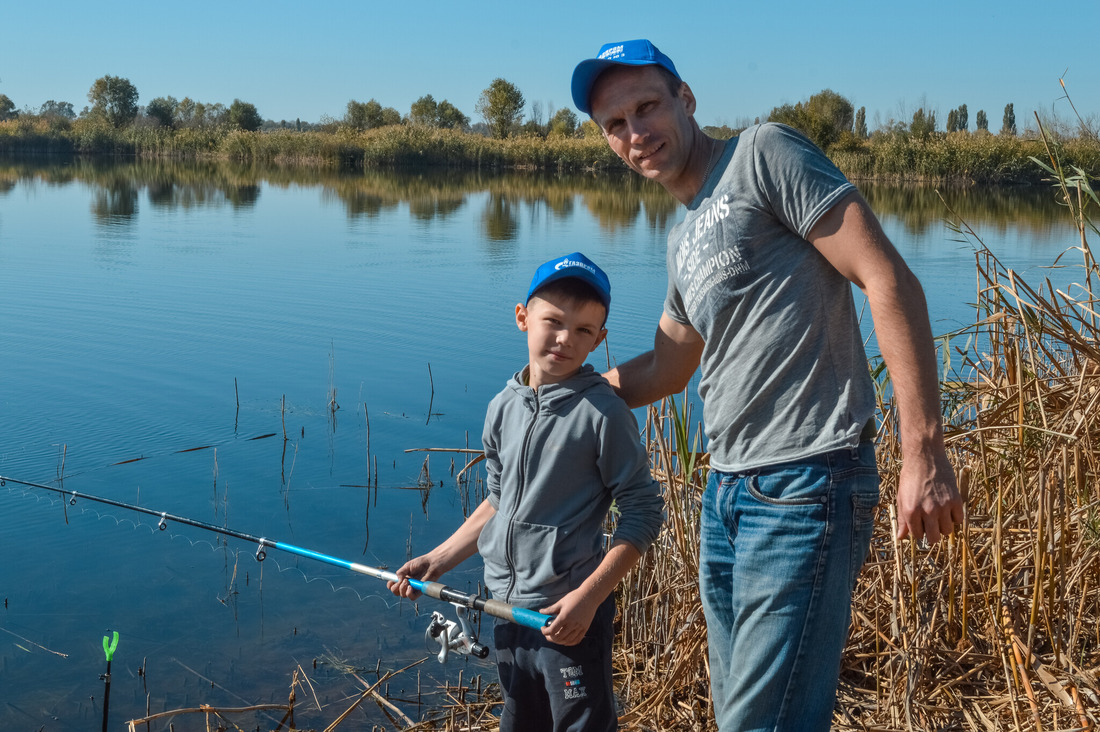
(853, 241)
(667, 369)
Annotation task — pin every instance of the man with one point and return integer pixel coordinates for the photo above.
(759, 296)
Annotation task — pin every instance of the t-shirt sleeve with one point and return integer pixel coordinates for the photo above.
(674, 304)
(798, 180)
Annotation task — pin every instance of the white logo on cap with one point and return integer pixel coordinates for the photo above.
(613, 52)
(573, 263)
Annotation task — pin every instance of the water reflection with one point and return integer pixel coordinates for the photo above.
(498, 221)
(115, 204)
(920, 207)
(617, 201)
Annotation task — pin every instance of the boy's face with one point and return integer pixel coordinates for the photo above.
(560, 335)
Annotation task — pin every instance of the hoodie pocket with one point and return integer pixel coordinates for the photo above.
(537, 558)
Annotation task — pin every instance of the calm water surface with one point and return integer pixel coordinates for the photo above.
(147, 310)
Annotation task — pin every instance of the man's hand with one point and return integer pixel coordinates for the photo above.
(929, 504)
(667, 369)
(572, 617)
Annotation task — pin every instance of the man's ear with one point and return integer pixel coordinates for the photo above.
(688, 97)
(521, 317)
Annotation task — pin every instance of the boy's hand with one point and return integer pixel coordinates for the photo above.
(572, 616)
(422, 568)
(461, 545)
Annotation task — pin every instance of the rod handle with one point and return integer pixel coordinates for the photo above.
(519, 615)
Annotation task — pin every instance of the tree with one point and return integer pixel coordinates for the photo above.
(923, 124)
(163, 110)
(952, 121)
(590, 130)
(1008, 124)
(424, 112)
(7, 108)
(501, 106)
(115, 99)
(963, 118)
(59, 110)
(861, 123)
(981, 121)
(370, 114)
(216, 114)
(185, 112)
(822, 118)
(357, 114)
(244, 116)
(563, 123)
(389, 116)
(451, 118)
(721, 132)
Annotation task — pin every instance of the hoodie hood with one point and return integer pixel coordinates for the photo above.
(552, 397)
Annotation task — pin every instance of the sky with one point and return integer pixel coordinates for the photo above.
(297, 60)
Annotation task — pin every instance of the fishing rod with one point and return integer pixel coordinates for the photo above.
(448, 635)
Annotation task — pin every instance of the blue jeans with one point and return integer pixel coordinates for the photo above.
(780, 550)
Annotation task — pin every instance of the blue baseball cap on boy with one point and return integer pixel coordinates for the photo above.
(573, 265)
(624, 53)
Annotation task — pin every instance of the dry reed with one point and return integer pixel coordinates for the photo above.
(994, 628)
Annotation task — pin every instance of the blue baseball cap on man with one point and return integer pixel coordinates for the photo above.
(573, 265)
(639, 52)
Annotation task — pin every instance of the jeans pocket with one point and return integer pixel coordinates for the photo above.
(796, 485)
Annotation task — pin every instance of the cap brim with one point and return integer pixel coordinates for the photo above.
(584, 76)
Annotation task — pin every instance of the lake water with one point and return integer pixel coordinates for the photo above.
(149, 309)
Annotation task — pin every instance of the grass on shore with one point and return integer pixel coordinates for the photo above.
(960, 157)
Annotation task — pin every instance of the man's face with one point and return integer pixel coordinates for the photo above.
(646, 125)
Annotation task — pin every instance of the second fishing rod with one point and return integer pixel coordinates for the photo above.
(436, 590)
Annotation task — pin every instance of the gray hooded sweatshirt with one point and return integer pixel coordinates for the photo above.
(555, 460)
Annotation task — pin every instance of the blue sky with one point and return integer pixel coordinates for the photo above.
(304, 60)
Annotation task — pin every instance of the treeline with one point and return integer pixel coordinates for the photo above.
(113, 103)
(369, 134)
(436, 133)
(920, 151)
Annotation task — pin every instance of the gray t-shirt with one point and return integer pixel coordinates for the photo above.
(784, 373)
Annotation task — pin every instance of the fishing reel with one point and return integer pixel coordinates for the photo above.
(451, 635)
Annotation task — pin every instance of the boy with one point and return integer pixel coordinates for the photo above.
(559, 447)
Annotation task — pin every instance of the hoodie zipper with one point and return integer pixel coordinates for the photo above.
(524, 447)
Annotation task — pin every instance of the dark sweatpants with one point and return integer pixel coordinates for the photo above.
(556, 688)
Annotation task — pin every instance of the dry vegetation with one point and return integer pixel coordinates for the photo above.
(997, 628)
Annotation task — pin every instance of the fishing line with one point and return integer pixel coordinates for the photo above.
(195, 542)
(436, 590)
(160, 454)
